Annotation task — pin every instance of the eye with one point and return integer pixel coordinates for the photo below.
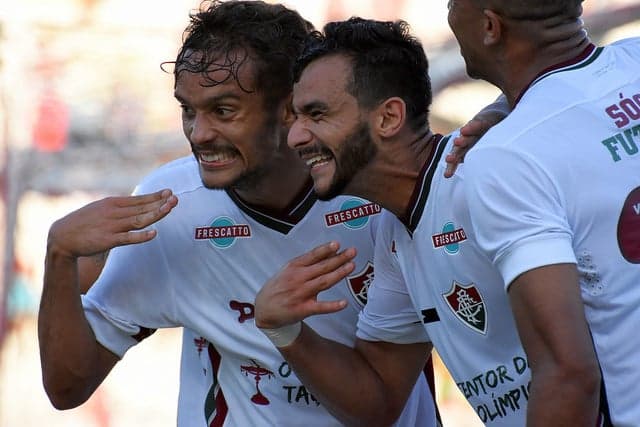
(315, 115)
(186, 111)
(223, 112)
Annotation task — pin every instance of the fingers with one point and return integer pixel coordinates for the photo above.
(324, 265)
(329, 272)
(317, 254)
(137, 212)
(133, 237)
(469, 135)
(327, 307)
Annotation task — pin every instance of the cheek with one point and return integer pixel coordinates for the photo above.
(187, 125)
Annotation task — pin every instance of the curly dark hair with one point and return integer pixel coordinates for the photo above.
(387, 61)
(224, 35)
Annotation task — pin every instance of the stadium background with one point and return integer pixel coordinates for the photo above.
(85, 111)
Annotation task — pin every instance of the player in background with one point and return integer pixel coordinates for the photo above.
(558, 211)
(361, 101)
(246, 206)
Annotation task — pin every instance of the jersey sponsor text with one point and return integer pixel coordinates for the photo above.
(225, 231)
(335, 218)
(448, 238)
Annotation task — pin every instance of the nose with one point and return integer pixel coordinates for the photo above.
(298, 135)
(201, 129)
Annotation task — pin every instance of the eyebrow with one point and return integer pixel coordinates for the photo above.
(217, 99)
(309, 106)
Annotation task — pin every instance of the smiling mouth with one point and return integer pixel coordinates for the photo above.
(217, 158)
(318, 160)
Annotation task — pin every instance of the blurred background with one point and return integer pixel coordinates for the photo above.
(85, 112)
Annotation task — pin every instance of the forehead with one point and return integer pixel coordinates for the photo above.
(228, 72)
(324, 79)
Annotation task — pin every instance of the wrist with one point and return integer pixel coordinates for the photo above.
(283, 336)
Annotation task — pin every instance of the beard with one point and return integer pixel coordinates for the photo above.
(356, 152)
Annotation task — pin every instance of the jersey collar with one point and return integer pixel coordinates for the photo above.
(421, 191)
(281, 221)
(586, 57)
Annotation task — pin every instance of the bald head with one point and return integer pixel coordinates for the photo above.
(534, 9)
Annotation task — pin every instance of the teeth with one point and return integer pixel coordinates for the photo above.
(317, 159)
(214, 157)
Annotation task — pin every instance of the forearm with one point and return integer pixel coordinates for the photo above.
(564, 397)
(341, 379)
(69, 353)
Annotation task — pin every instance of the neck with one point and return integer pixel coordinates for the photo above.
(532, 46)
(282, 183)
(518, 79)
(390, 178)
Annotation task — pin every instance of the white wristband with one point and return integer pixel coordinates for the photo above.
(284, 336)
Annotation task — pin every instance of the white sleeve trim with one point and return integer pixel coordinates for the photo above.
(114, 335)
(369, 330)
(533, 253)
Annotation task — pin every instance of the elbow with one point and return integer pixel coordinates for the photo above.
(63, 396)
(64, 400)
(576, 380)
(384, 417)
(584, 375)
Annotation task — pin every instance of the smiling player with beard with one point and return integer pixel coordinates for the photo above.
(246, 206)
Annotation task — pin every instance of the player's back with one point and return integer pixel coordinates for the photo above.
(573, 141)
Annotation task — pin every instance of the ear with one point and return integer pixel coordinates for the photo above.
(493, 27)
(390, 117)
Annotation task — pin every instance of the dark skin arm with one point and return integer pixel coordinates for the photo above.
(89, 268)
(73, 362)
(550, 317)
(385, 372)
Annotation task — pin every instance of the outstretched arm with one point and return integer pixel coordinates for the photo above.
(73, 363)
(384, 373)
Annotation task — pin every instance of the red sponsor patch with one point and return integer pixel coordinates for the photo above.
(629, 228)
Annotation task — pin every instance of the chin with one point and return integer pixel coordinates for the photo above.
(216, 182)
(331, 191)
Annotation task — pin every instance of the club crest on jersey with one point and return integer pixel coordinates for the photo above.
(359, 283)
(467, 304)
(353, 213)
(450, 238)
(223, 232)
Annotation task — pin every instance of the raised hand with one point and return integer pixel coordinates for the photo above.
(291, 295)
(109, 222)
(473, 130)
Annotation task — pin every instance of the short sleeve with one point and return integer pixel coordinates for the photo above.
(389, 314)
(131, 298)
(517, 211)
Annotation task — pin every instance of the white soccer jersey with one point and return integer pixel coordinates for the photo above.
(432, 282)
(558, 181)
(203, 270)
